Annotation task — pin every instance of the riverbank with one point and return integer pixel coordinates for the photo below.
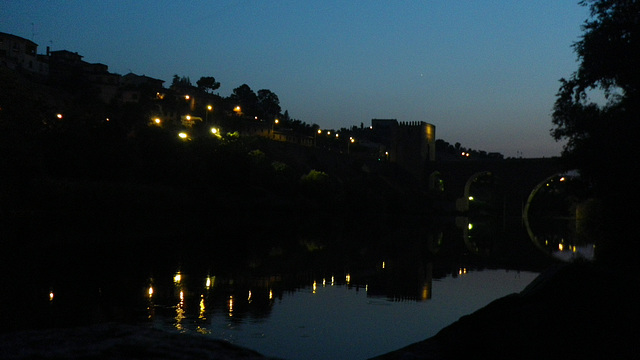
(578, 311)
(117, 341)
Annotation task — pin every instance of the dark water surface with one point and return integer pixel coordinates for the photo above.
(301, 301)
(330, 318)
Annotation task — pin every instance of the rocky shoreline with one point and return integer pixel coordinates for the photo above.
(578, 311)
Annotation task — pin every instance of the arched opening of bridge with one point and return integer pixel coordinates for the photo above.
(551, 217)
(479, 191)
(435, 182)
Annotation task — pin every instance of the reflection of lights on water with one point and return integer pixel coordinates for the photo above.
(333, 281)
(202, 308)
(177, 278)
(180, 312)
(462, 271)
(470, 226)
(384, 264)
(348, 278)
(230, 305)
(50, 295)
(270, 294)
(150, 291)
(562, 179)
(209, 282)
(249, 298)
(470, 198)
(324, 282)
(314, 286)
(425, 292)
(560, 247)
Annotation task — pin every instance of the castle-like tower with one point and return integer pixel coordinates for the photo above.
(409, 144)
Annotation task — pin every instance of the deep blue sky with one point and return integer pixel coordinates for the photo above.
(485, 72)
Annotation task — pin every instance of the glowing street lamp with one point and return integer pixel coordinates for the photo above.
(206, 117)
(275, 122)
(183, 135)
(237, 110)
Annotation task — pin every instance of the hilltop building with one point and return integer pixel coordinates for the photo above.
(20, 54)
(68, 67)
(409, 144)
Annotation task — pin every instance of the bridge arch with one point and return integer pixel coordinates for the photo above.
(561, 242)
(435, 182)
(462, 204)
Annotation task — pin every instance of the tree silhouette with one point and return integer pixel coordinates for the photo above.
(208, 84)
(269, 104)
(601, 135)
(246, 99)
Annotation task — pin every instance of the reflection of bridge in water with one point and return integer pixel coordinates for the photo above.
(501, 184)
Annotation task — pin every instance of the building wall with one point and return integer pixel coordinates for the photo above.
(409, 144)
(18, 53)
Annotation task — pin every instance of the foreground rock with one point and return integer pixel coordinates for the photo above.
(574, 312)
(116, 341)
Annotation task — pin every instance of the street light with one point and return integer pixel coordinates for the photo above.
(206, 117)
(275, 122)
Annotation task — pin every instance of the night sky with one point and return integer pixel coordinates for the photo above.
(484, 72)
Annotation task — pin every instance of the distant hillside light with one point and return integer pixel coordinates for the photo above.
(183, 135)
(59, 116)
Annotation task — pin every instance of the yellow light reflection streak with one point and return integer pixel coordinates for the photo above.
(180, 312)
(202, 315)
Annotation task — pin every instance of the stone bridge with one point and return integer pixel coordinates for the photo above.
(503, 185)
